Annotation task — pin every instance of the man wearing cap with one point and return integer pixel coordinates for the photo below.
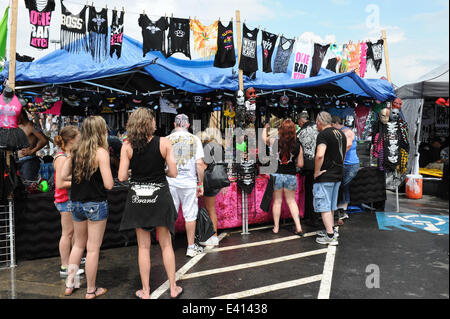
(188, 185)
(307, 137)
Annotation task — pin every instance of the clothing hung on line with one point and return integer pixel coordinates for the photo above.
(98, 33)
(363, 62)
(225, 55)
(249, 60)
(153, 34)
(354, 51)
(283, 55)
(268, 42)
(205, 38)
(178, 37)
(40, 18)
(375, 53)
(73, 30)
(319, 54)
(116, 38)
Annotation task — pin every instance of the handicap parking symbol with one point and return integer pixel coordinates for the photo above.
(432, 223)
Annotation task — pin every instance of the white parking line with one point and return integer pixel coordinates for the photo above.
(254, 264)
(325, 285)
(266, 289)
(165, 286)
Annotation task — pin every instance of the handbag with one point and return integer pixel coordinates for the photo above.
(204, 228)
(267, 197)
(216, 176)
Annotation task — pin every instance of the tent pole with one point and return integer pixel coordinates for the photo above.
(12, 46)
(386, 56)
(238, 33)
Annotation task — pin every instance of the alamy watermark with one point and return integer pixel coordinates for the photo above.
(373, 277)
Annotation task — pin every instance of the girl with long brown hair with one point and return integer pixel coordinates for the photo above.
(149, 203)
(89, 166)
(290, 156)
(66, 141)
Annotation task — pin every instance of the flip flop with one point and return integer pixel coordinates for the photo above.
(139, 294)
(299, 233)
(96, 293)
(179, 294)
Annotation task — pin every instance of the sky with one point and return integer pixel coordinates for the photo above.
(417, 31)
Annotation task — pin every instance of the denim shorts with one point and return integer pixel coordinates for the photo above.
(93, 211)
(325, 196)
(285, 181)
(64, 207)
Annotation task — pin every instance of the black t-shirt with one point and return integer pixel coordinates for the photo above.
(153, 34)
(41, 23)
(249, 61)
(333, 162)
(178, 38)
(225, 55)
(268, 45)
(287, 164)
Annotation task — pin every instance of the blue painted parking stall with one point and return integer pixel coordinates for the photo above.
(437, 224)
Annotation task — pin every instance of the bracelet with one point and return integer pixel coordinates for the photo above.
(201, 186)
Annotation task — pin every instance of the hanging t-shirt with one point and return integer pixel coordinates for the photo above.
(225, 55)
(40, 20)
(187, 149)
(73, 30)
(153, 34)
(354, 51)
(345, 59)
(332, 64)
(375, 53)
(301, 68)
(178, 38)
(249, 60)
(363, 58)
(268, 46)
(205, 38)
(284, 51)
(98, 33)
(319, 54)
(116, 38)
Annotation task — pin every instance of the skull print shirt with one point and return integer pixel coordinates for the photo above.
(178, 38)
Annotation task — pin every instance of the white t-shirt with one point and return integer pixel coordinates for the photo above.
(187, 149)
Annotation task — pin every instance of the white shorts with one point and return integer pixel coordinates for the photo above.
(189, 202)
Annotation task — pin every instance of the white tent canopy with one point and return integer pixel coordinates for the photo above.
(434, 84)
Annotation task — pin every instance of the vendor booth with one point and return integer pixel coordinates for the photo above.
(170, 86)
(425, 106)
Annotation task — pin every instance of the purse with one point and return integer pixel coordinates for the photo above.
(216, 176)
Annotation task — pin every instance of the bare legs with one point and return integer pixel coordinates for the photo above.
(293, 207)
(65, 243)
(144, 244)
(210, 205)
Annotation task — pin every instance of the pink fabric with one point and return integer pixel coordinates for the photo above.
(229, 202)
(9, 113)
(363, 66)
(361, 112)
(55, 109)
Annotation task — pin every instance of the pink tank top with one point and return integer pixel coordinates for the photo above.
(9, 113)
(61, 195)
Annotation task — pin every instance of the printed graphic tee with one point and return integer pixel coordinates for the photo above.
(375, 53)
(284, 51)
(249, 61)
(73, 30)
(187, 149)
(268, 46)
(178, 38)
(116, 38)
(301, 68)
(225, 55)
(40, 17)
(333, 162)
(319, 54)
(205, 38)
(98, 33)
(153, 34)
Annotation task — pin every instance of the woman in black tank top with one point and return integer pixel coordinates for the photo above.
(149, 202)
(91, 177)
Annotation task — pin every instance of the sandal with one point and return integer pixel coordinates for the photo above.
(68, 292)
(178, 295)
(96, 293)
(140, 294)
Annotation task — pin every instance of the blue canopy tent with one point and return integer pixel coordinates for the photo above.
(195, 76)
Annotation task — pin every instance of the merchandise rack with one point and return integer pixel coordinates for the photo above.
(7, 246)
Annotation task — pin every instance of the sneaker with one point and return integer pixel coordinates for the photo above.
(63, 272)
(327, 240)
(212, 241)
(323, 233)
(194, 251)
(342, 214)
